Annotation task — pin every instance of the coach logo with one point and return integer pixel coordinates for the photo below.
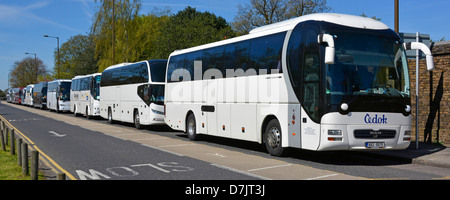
(375, 119)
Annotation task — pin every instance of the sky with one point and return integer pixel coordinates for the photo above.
(23, 23)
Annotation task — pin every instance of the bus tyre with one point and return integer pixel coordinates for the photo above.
(191, 129)
(75, 111)
(272, 139)
(110, 119)
(137, 120)
(87, 114)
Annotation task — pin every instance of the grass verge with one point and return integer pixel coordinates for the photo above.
(10, 170)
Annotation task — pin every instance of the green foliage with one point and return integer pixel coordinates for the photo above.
(113, 25)
(189, 28)
(133, 37)
(151, 36)
(77, 57)
(142, 43)
(374, 17)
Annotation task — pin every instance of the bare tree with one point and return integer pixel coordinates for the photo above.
(263, 12)
(26, 72)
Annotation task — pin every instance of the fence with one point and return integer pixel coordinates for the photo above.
(27, 158)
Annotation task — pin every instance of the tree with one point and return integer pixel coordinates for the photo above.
(77, 57)
(189, 28)
(112, 32)
(263, 12)
(374, 17)
(143, 40)
(26, 72)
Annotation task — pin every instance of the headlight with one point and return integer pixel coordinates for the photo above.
(408, 132)
(334, 132)
(158, 112)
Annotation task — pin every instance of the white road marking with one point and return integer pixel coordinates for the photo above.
(57, 134)
(270, 167)
(241, 172)
(177, 145)
(319, 177)
(217, 154)
(167, 151)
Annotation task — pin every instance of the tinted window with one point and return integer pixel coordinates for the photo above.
(266, 52)
(237, 56)
(311, 75)
(64, 91)
(106, 78)
(130, 74)
(189, 61)
(158, 71)
(95, 89)
(295, 57)
(258, 53)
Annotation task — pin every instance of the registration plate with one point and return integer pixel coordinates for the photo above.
(375, 145)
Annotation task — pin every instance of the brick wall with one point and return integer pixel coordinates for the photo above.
(434, 96)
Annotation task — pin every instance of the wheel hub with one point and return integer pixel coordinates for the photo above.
(273, 137)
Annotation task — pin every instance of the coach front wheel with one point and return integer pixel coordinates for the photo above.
(191, 129)
(110, 119)
(137, 120)
(272, 139)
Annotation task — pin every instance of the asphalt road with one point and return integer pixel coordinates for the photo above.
(92, 155)
(119, 151)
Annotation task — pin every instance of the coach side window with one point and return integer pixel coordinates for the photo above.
(266, 52)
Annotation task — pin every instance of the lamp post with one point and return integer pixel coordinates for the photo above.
(36, 67)
(396, 5)
(57, 61)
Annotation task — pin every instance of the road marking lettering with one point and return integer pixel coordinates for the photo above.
(131, 171)
(24, 120)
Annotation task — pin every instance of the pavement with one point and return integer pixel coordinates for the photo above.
(427, 154)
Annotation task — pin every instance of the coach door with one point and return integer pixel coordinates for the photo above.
(310, 100)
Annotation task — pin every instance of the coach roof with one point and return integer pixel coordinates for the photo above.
(341, 19)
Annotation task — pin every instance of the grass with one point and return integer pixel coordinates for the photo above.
(10, 170)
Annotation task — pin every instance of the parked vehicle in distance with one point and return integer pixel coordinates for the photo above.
(85, 95)
(17, 95)
(133, 93)
(8, 95)
(58, 95)
(40, 95)
(28, 95)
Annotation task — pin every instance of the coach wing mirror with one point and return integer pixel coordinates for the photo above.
(422, 47)
(329, 50)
